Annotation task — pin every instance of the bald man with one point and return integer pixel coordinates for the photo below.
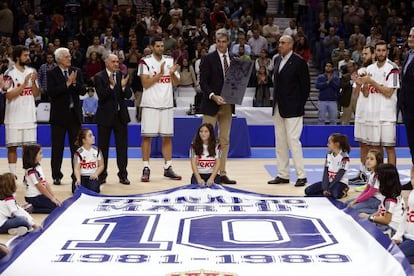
(290, 93)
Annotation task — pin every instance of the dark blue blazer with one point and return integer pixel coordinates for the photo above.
(291, 87)
(211, 81)
(60, 95)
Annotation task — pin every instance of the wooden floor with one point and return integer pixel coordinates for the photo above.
(250, 174)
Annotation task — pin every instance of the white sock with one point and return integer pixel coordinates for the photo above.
(12, 168)
(146, 164)
(167, 164)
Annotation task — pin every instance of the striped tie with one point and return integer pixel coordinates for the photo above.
(226, 64)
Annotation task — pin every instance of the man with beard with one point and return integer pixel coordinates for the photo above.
(20, 84)
(368, 57)
(380, 85)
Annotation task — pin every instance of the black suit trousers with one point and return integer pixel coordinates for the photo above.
(409, 128)
(121, 142)
(72, 128)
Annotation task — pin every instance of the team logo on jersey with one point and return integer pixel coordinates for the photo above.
(202, 272)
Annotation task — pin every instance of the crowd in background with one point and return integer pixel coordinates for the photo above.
(323, 31)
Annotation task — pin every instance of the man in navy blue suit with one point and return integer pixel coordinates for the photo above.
(213, 68)
(290, 93)
(112, 115)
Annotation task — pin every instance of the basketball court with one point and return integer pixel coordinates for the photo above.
(165, 227)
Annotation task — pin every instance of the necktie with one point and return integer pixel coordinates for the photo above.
(115, 91)
(66, 74)
(226, 64)
(409, 60)
(114, 77)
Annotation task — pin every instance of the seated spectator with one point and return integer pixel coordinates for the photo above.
(342, 63)
(241, 41)
(328, 86)
(32, 37)
(346, 99)
(89, 106)
(180, 52)
(242, 55)
(357, 54)
(292, 29)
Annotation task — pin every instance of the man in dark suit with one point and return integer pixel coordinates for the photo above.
(65, 84)
(406, 98)
(112, 115)
(214, 108)
(291, 91)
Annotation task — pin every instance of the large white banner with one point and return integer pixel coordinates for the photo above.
(193, 232)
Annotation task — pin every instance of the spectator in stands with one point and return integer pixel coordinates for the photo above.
(262, 95)
(374, 36)
(356, 14)
(242, 54)
(21, 89)
(343, 62)
(36, 55)
(292, 30)
(75, 54)
(64, 85)
(406, 98)
(6, 20)
(330, 42)
(241, 41)
(164, 18)
(271, 31)
(20, 39)
(339, 26)
(257, 43)
(328, 86)
(89, 106)
(169, 42)
(291, 78)
(357, 54)
(320, 30)
(338, 53)
(347, 100)
(93, 66)
(187, 74)
(302, 48)
(132, 55)
(93, 31)
(264, 60)
(334, 10)
(96, 47)
(356, 37)
(155, 27)
(214, 107)
(32, 37)
(112, 115)
(180, 52)
(217, 17)
(116, 50)
(31, 24)
(42, 75)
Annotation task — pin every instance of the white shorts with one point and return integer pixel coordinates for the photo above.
(359, 134)
(20, 137)
(157, 122)
(383, 134)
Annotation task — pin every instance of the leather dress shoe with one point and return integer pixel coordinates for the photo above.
(225, 180)
(124, 181)
(56, 181)
(278, 180)
(301, 182)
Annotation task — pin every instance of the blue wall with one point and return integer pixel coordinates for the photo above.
(260, 136)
